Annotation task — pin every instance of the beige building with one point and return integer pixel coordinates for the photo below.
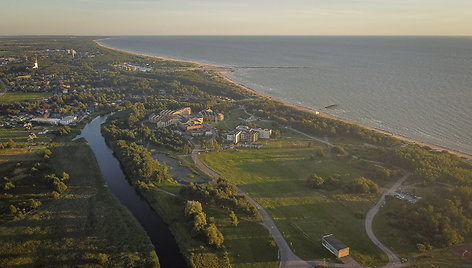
(335, 246)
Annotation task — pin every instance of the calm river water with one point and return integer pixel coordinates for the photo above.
(165, 244)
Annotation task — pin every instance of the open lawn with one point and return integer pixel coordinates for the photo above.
(21, 96)
(276, 177)
(85, 226)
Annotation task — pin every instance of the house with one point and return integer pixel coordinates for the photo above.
(335, 246)
(263, 133)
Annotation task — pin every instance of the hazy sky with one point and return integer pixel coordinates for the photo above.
(236, 17)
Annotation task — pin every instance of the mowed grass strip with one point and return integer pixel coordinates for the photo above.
(21, 96)
(276, 177)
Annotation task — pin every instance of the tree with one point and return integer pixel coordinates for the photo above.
(193, 207)
(199, 221)
(214, 236)
(363, 185)
(234, 219)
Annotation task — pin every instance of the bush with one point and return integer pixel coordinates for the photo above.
(13, 209)
(34, 203)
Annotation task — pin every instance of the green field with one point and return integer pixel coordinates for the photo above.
(86, 226)
(21, 96)
(276, 177)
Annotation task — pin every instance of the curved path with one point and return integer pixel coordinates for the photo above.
(393, 260)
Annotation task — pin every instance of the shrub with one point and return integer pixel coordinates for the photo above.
(102, 258)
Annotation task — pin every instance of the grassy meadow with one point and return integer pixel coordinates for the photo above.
(276, 177)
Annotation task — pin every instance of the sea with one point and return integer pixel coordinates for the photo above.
(416, 87)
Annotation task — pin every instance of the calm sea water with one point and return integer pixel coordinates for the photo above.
(417, 87)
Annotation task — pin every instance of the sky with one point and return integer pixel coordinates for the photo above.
(236, 17)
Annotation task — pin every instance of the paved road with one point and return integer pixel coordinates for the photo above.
(393, 260)
(4, 90)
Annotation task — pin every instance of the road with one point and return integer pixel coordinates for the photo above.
(4, 90)
(202, 166)
(393, 260)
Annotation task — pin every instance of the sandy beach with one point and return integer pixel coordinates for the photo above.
(224, 71)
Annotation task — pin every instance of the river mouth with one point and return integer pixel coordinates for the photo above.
(158, 231)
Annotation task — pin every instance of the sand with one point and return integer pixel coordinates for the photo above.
(224, 71)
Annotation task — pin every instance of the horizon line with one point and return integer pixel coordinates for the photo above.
(230, 35)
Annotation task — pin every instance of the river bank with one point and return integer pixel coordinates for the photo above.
(224, 71)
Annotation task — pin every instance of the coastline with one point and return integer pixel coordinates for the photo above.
(224, 71)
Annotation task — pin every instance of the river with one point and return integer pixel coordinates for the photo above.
(161, 237)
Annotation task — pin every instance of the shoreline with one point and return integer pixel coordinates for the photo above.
(224, 71)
